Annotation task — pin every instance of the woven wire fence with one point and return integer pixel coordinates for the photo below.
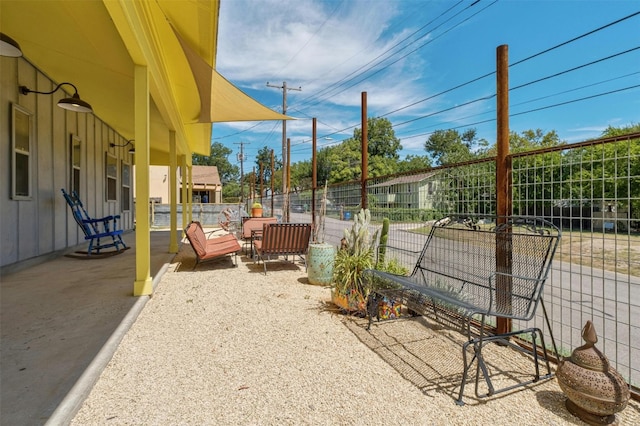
(591, 191)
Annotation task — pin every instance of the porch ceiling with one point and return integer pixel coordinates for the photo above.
(95, 45)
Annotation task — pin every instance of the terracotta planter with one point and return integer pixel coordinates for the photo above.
(256, 211)
(320, 263)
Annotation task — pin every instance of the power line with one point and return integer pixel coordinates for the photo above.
(338, 83)
(575, 68)
(610, 92)
(406, 55)
(575, 38)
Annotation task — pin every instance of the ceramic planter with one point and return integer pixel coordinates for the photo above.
(320, 263)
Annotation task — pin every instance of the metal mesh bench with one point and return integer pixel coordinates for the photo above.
(478, 273)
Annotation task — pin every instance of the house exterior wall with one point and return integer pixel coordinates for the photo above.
(159, 184)
(42, 223)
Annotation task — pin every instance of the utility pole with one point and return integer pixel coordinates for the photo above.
(241, 160)
(284, 129)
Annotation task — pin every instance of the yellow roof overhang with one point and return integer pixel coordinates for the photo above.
(96, 45)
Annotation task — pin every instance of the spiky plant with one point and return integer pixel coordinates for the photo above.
(356, 255)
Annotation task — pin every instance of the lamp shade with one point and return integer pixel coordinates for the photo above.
(9, 47)
(74, 103)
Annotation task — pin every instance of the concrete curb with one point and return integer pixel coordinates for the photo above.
(66, 411)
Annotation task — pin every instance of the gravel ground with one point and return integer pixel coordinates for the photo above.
(231, 346)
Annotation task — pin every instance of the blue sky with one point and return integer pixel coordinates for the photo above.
(406, 53)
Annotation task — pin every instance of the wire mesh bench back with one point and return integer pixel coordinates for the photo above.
(497, 270)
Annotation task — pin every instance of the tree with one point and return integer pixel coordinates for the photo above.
(382, 140)
(449, 146)
(219, 158)
(264, 158)
(301, 175)
(414, 162)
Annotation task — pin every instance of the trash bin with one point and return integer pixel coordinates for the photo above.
(347, 215)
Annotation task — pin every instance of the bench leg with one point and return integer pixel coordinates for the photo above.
(537, 345)
(477, 343)
(372, 307)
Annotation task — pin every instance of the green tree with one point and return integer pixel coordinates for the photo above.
(343, 162)
(219, 157)
(264, 158)
(382, 140)
(450, 146)
(301, 175)
(413, 162)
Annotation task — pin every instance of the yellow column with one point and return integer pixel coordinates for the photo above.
(173, 194)
(185, 194)
(143, 284)
(190, 198)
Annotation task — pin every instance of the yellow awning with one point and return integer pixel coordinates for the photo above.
(220, 100)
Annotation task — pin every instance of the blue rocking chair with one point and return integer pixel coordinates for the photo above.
(96, 229)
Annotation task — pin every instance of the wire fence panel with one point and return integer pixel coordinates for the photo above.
(591, 191)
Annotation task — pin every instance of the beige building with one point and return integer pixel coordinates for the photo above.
(206, 182)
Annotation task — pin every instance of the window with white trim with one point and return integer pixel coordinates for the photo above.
(111, 177)
(21, 136)
(76, 150)
(126, 186)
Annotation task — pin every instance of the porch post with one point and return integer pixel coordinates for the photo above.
(183, 188)
(143, 284)
(173, 193)
(190, 190)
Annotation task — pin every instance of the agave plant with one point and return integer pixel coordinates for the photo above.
(356, 255)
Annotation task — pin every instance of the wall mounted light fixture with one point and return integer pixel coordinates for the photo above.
(9, 47)
(132, 150)
(74, 103)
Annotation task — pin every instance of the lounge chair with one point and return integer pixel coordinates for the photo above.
(211, 248)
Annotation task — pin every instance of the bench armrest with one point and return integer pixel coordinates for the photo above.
(505, 311)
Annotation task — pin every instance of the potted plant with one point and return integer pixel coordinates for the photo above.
(256, 209)
(321, 255)
(355, 255)
(349, 291)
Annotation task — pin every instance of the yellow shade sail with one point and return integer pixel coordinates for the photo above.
(220, 100)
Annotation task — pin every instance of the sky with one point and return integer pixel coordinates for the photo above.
(574, 67)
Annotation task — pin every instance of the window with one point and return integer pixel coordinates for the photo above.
(21, 153)
(126, 186)
(111, 170)
(75, 164)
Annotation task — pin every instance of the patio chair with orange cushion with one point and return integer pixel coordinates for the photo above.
(211, 248)
(252, 228)
(282, 239)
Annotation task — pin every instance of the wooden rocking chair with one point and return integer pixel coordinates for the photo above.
(96, 229)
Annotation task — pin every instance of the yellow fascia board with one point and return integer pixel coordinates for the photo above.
(135, 23)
